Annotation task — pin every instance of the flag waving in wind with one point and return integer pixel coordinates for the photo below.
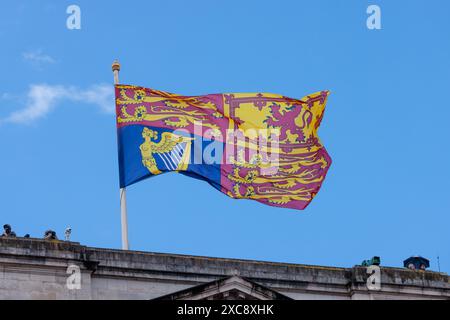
(255, 146)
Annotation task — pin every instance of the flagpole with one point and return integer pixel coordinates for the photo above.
(123, 191)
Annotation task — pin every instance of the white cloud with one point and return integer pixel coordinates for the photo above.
(43, 98)
(101, 95)
(37, 58)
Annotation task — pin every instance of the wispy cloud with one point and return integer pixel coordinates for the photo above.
(43, 98)
(38, 58)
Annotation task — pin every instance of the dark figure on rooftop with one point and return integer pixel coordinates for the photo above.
(50, 235)
(8, 232)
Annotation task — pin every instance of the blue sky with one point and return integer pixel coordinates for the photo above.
(386, 124)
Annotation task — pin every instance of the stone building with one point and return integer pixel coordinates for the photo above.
(43, 269)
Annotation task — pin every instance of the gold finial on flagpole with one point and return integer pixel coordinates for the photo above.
(116, 68)
(116, 65)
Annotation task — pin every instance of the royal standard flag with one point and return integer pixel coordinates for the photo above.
(256, 146)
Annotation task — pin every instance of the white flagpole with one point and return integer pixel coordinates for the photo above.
(123, 191)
